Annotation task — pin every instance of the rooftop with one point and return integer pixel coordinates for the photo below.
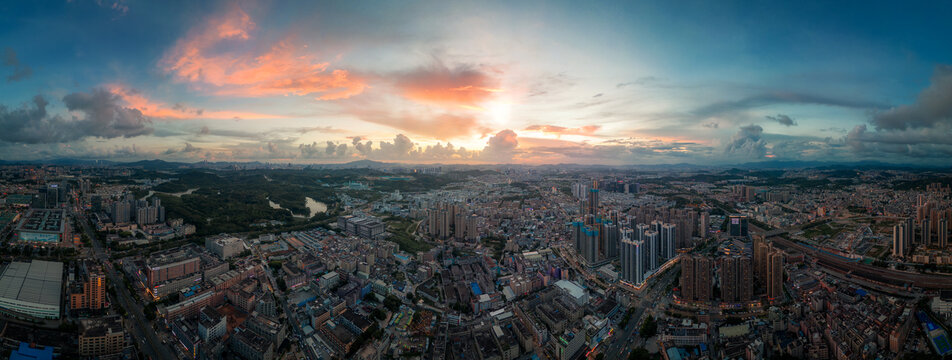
(43, 220)
(38, 282)
(102, 326)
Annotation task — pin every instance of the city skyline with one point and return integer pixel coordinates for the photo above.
(612, 83)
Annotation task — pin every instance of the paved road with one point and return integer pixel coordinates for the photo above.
(140, 327)
(619, 346)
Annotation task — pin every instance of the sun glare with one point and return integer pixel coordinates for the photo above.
(499, 112)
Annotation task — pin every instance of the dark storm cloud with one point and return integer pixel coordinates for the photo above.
(780, 98)
(20, 71)
(104, 117)
(922, 129)
(933, 106)
(101, 116)
(783, 120)
(933, 142)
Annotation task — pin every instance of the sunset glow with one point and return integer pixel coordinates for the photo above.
(613, 83)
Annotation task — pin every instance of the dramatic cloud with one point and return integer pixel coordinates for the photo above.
(284, 69)
(775, 98)
(401, 148)
(330, 150)
(587, 130)
(463, 86)
(933, 106)
(501, 147)
(20, 71)
(747, 143)
(783, 120)
(933, 142)
(158, 109)
(919, 130)
(95, 114)
(104, 117)
(440, 126)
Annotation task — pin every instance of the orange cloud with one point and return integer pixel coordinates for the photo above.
(586, 130)
(281, 70)
(461, 87)
(441, 126)
(157, 109)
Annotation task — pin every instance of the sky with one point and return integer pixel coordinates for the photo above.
(483, 82)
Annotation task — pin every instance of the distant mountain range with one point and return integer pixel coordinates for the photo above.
(157, 164)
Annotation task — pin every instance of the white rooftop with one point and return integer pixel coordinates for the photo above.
(38, 282)
(572, 288)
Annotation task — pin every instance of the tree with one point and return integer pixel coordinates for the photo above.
(392, 303)
(149, 311)
(639, 354)
(378, 314)
(282, 285)
(649, 328)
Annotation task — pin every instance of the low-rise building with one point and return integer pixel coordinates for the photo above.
(212, 325)
(251, 346)
(103, 336)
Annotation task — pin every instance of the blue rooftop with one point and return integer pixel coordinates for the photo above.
(476, 290)
(25, 352)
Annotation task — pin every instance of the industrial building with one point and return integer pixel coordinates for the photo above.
(32, 290)
(224, 246)
(43, 225)
(366, 227)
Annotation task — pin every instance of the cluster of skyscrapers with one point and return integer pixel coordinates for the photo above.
(904, 235)
(140, 211)
(768, 268)
(51, 196)
(929, 228)
(452, 221)
(601, 237)
(741, 276)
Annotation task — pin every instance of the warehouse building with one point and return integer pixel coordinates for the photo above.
(32, 290)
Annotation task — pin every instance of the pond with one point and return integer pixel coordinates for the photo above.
(313, 206)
